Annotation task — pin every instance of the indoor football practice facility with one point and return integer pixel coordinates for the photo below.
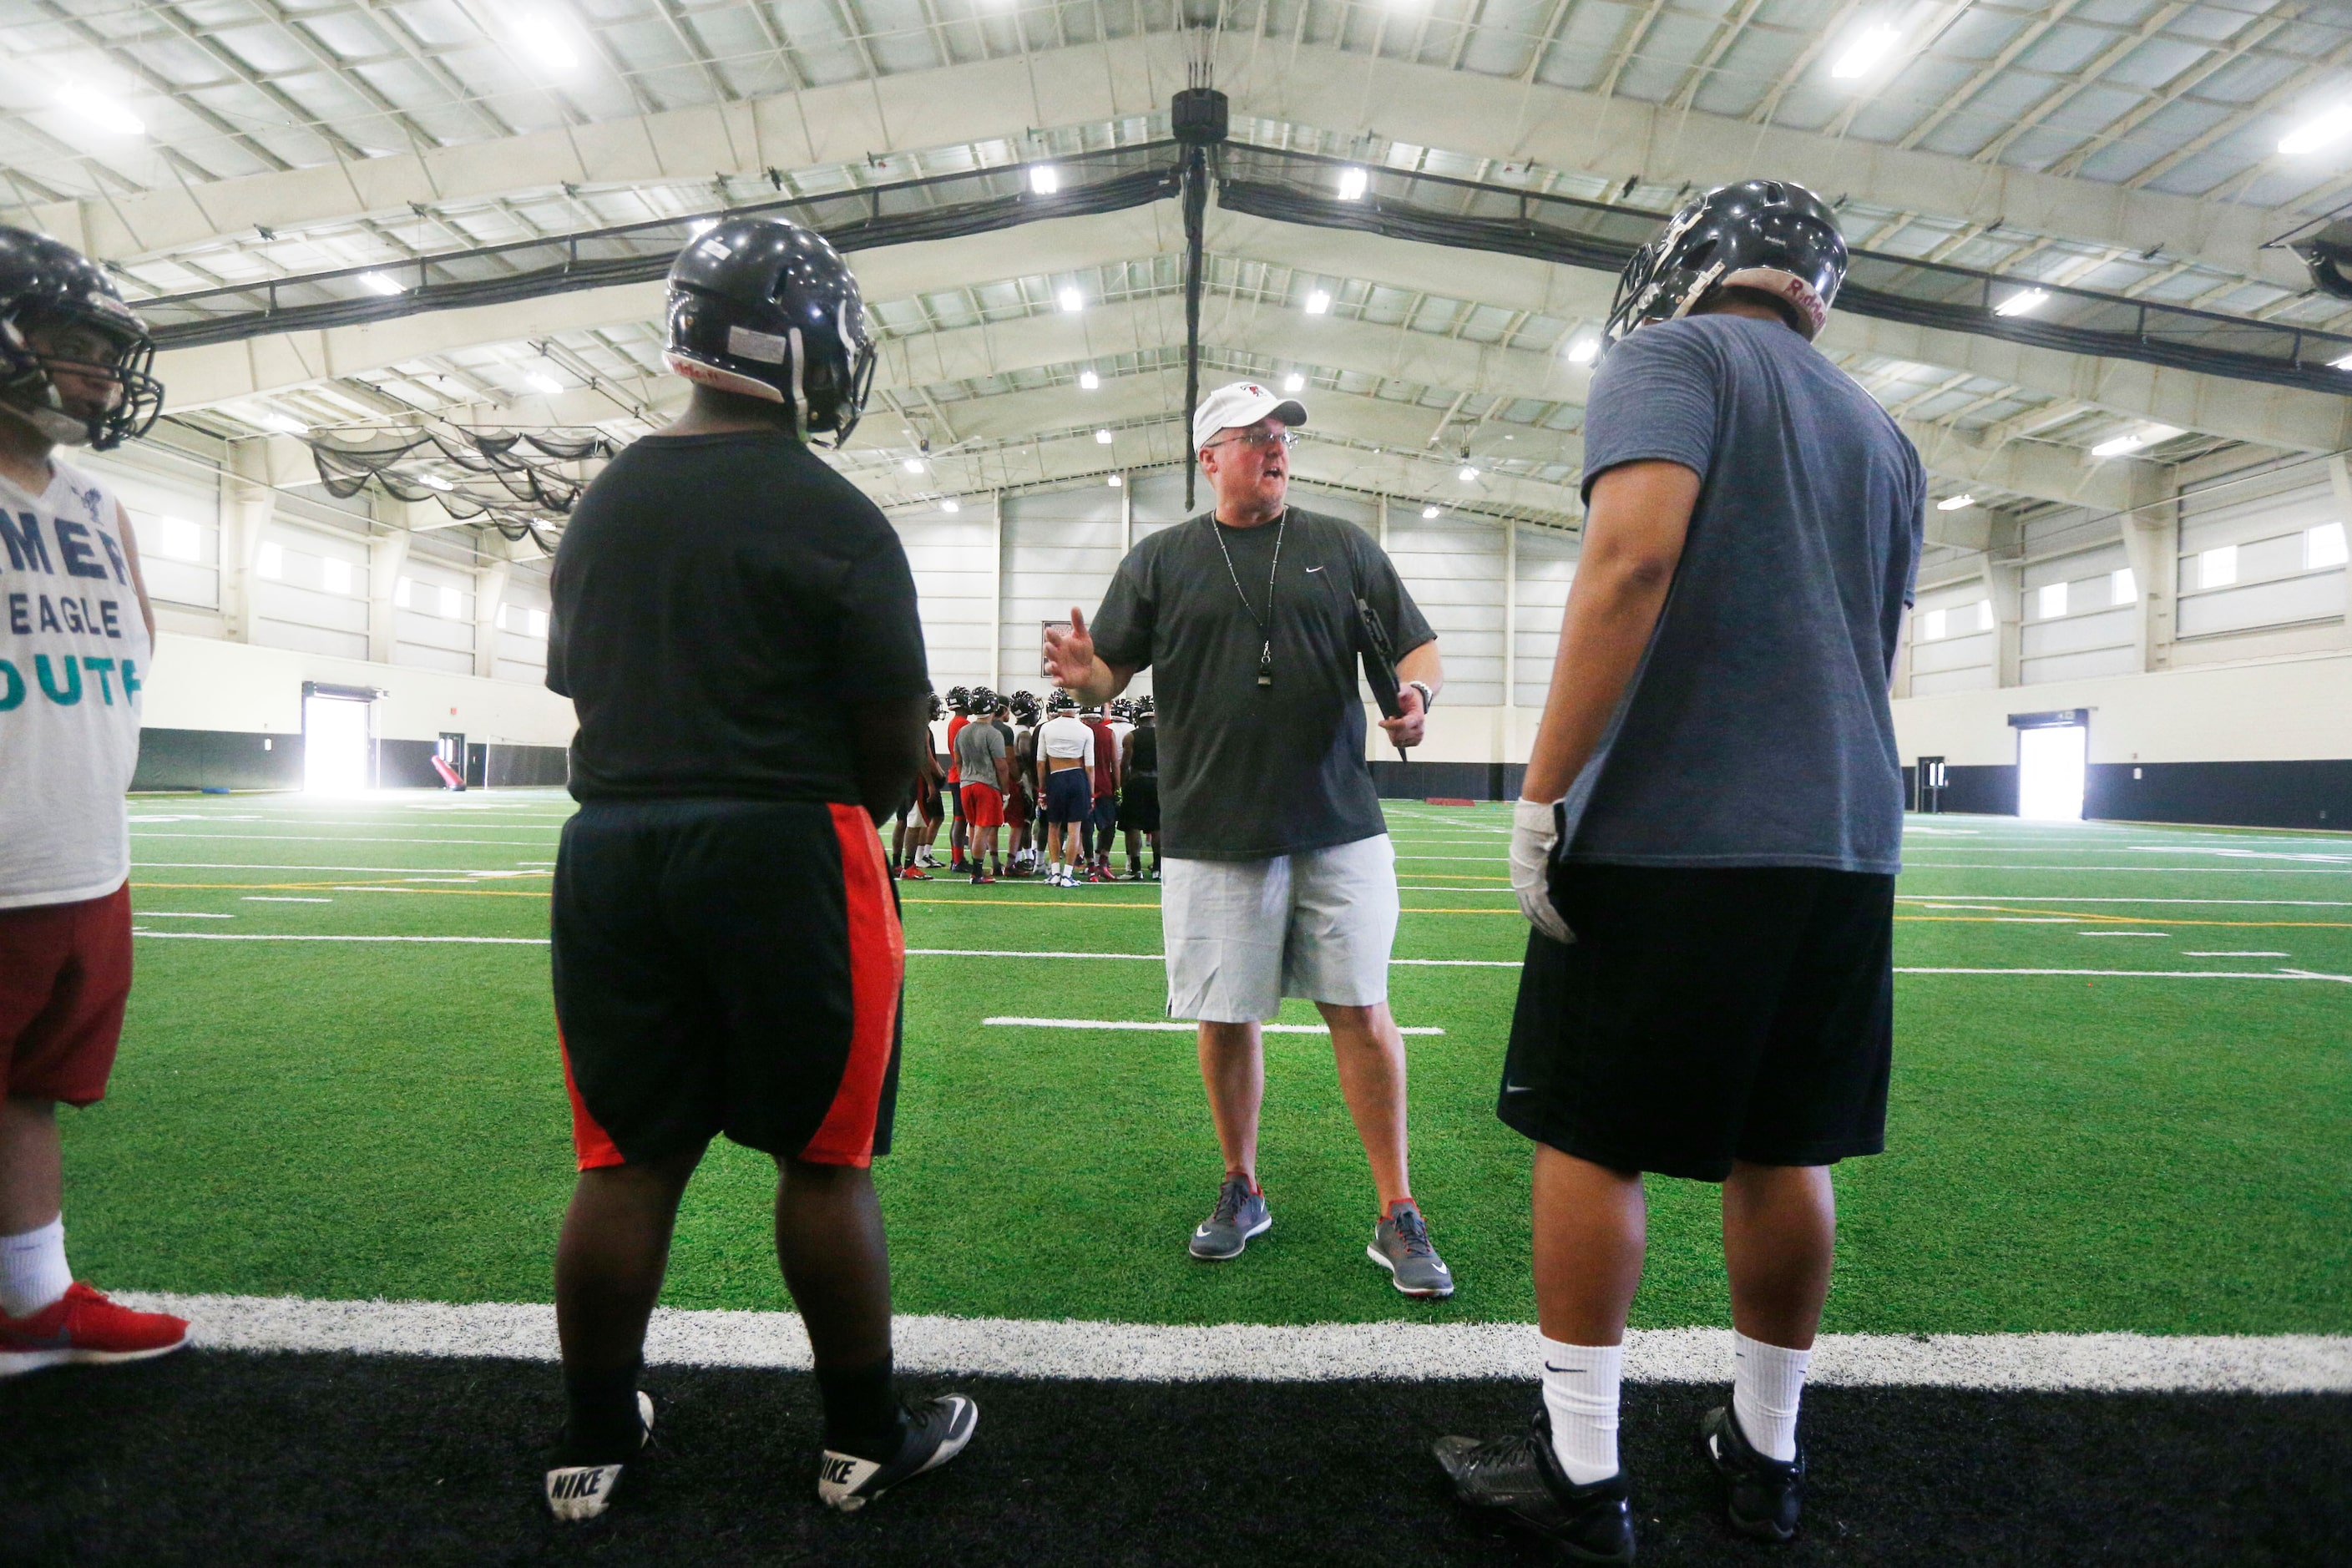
(1175, 782)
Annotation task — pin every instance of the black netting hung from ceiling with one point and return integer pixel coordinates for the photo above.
(520, 482)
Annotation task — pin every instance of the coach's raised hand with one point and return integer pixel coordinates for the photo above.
(1071, 664)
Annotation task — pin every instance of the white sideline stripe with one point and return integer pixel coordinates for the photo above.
(255, 936)
(1277, 1029)
(255, 866)
(2152, 974)
(1928, 899)
(2199, 871)
(340, 838)
(1311, 1352)
(1158, 1026)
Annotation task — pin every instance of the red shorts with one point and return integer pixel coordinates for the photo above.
(65, 974)
(1016, 808)
(984, 806)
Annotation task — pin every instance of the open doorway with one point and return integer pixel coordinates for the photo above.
(338, 738)
(2053, 756)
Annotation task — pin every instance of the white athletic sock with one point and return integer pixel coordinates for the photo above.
(33, 1271)
(1580, 1388)
(1767, 1381)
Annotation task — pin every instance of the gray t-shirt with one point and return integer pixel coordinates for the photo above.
(979, 746)
(1757, 732)
(1248, 771)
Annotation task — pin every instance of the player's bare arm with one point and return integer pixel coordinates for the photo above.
(138, 578)
(1634, 538)
(888, 741)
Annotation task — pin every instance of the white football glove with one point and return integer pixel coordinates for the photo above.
(1535, 828)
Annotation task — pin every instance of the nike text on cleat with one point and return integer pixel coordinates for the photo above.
(576, 1492)
(936, 1431)
(85, 1328)
(1241, 1213)
(1521, 1477)
(1766, 1495)
(1400, 1245)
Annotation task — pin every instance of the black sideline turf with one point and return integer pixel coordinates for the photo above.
(220, 1459)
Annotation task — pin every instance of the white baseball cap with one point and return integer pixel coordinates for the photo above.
(1242, 402)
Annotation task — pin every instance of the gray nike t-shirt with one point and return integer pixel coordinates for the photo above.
(1758, 731)
(979, 748)
(1248, 771)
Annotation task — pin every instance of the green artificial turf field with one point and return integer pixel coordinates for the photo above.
(2068, 1151)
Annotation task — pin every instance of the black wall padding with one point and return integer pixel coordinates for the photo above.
(217, 759)
(2240, 794)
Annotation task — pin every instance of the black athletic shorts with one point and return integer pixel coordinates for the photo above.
(727, 966)
(1139, 803)
(1068, 797)
(1703, 1016)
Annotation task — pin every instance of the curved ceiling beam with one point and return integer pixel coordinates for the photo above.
(1310, 85)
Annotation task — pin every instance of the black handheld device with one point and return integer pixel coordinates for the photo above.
(1379, 657)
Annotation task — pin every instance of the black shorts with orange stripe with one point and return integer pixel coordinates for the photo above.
(727, 967)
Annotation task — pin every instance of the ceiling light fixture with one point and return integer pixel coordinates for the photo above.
(1352, 185)
(1116, 481)
(2024, 303)
(1864, 51)
(1428, 513)
(2115, 446)
(1102, 438)
(99, 109)
(2343, 364)
(285, 424)
(1319, 302)
(914, 465)
(379, 283)
(2314, 133)
(1293, 382)
(1088, 381)
(1954, 503)
(544, 37)
(540, 381)
(1072, 301)
(1583, 349)
(951, 504)
(1044, 179)
(1469, 475)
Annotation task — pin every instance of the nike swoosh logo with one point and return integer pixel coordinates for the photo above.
(1315, 569)
(1518, 1089)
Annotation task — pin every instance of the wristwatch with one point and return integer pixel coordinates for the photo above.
(1428, 698)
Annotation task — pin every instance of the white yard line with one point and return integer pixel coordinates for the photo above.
(246, 936)
(1308, 1352)
(2064, 899)
(2175, 871)
(251, 866)
(179, 915)
(2193, 953)
(2152, 974)
(1161, 1026)
(340, 838)
(267, 898)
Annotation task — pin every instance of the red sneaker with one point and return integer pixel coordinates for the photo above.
(914, 874)
(82, 1325)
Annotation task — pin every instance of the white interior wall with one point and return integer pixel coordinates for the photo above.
(208, 683)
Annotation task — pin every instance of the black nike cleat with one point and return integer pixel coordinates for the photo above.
(1521, 1476)
(1765, 1494)
(936, 1432)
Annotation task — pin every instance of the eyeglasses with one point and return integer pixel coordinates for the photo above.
(1284, 438)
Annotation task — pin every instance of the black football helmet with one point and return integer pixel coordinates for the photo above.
(1144, 708)
(959, 699)
(1024, 705)
(769, 309)
(939, 708)
(982, 702)
(1122, 710)
(1770, 236)
(45, 284)
(1060, 703)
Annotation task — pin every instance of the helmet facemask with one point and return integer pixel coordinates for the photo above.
(30, 386)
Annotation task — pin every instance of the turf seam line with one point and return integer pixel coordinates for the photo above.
(1159, 1353)
(1159, 1026)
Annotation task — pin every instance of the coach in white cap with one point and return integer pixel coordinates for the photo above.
(1280, 878)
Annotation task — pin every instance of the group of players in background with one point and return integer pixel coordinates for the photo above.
(1007, 813)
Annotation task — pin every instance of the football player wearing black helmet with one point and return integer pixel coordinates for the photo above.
(712, 576)
(1767, 239)
(1697, 921)
(74, 659)
(766, 310)
(74, 359)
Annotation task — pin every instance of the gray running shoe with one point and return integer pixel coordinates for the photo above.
(1240, 1213)
(1400, 1245)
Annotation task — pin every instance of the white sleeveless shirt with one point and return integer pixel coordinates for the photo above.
(74, 656)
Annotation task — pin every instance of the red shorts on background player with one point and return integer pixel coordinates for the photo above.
(74, 359)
